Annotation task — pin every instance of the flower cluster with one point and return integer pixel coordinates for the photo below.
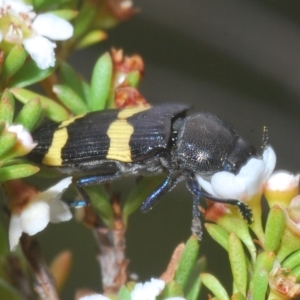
(19, 24)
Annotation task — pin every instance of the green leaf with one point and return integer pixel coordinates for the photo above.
(7, 107)
(172, 289)
(124, 293)
(101, 204)
(296, 272)
(194, 291)
(30, 114)
(29, 74)
(8, 292)
(70, 99)
(275, 226)
(139, 194)
(238, 263)
(187, 261)
(214, 285)
(7, 141)
(85, 18)
(17, 171)
(53, 110)
(101, 82)
(260, 278)
(13, 62)
(72, 79)
(238, 296)
(91, 38)
(47, 4)
(219, 234)
(292, 261)
(66, 14)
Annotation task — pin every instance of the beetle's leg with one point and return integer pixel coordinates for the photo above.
(89, 181)
(244, 209)
(164, 188)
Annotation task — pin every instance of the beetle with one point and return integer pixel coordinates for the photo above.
(101, 146)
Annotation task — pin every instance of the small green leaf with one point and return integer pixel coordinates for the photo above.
(238, 263)
(292, 261)
(101, 204)
(172, 289)
(219, 234)
(275, 226)
(7, 107)
(7, 141)
(260, 278)
(29, 74)
(214, 285)
(66, 14)
(72, 79)
(139, 194)
(17, 171)
(194, 291)
(238, 296)
(193, 286)
(187, 261)
(296, 272)
(91, 38)
(53, 110)
(13, 62)
(30, 114)
(85, 18)
(8, 292)
(101, 82)
(70, 99)
(124, 293)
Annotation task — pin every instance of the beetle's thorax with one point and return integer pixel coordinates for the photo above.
(205, 145)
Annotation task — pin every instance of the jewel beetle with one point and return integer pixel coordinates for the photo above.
(101, 146)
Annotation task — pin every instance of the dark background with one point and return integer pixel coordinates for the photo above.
(236, 59)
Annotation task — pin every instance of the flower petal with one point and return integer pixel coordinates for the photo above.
(15, 231)
(59, 211)
(56, 190)
(52, 27)
(269, 157)
(35, 217)
(206, 185)
(147, 290)
(94, 297)
(252, 174)
(41, 51)
(228, 186)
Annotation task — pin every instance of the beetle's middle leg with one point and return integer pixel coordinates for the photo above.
(168, 184)
(90, 181)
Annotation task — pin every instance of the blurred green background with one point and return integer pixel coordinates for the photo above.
(236, 59)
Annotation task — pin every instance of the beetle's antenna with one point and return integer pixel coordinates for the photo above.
(265, 139)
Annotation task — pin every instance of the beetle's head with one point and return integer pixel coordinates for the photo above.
(238, 157)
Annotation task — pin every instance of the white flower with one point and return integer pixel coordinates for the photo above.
(246, 183)
(20, 25)
(45, 207)
(282, 181)
(23, 136)
(94, 297)
(148, 290)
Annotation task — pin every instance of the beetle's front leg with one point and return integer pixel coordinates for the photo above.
(90, 181)
(194, 188)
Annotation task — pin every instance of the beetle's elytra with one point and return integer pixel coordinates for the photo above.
(101, 146)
